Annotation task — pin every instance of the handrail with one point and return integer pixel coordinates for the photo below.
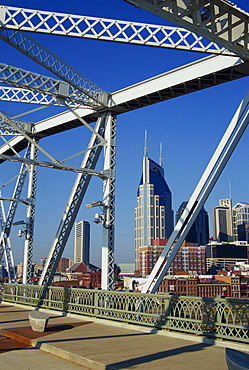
(211, 317)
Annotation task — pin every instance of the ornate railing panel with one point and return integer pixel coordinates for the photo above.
(211, 317)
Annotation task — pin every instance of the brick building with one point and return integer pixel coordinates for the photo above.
(63, 264)
(179, 286)
(190, 258)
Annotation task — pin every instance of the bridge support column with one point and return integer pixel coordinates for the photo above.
(107, 276)
(30, 217)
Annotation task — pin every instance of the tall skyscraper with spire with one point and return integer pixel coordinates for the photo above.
(153, 214)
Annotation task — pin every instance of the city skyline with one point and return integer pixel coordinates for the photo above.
(189, 127)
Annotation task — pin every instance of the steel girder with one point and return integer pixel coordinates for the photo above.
(103, 29)
(217, 20)
(30, 219)
(73, 204)
(37, 52)
(19, 95)
(106, 29)
(5, 248)
(58, 166)
(36, 82)
(5, 245)
(6, 129)
(107, 270)
(201, 74)
(208, 180)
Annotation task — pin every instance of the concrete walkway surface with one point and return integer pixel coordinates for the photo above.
(74, 341)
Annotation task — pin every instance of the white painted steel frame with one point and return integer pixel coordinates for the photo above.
(30, 219)
(5, 243)
(180, 76)
(74, 202)
(20, 77)
(217, 20)
(209, 178)
(5, 248)
(37, 52)
(20, 95)
(105, 29)
(7, 129)
(107, 266)
(58, 166)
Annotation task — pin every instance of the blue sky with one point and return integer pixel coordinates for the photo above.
(189, 127)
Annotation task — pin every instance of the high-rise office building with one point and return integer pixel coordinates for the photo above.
(199, 231)
(153, 214)
(222, 221)
(82, 242)
(240, 217)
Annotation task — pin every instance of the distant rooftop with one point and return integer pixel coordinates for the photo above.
(127, 268)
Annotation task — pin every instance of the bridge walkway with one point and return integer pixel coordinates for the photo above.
(84, 343)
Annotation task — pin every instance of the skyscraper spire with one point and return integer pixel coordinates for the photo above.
(145, 144)
(161, 155)
(146, 163)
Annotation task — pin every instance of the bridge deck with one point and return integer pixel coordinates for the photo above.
(99, 345)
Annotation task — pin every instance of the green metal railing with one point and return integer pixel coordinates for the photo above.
(211, 317)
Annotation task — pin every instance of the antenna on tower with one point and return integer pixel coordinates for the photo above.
(145, 144)
(161, 155)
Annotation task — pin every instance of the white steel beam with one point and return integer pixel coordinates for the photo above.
(58, 166)
(5, 248)
(208, 180)
(218, 20)
(37, 52)
(107, 268)
(72, 207)
(19, 95)
(104, 29)
(7, 129)
(204, 73)
(30, 219)
(19, 77)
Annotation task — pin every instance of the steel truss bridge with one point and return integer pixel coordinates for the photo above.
(215, 27)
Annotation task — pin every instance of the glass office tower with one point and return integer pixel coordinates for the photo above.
(82, 242)
(153, 214)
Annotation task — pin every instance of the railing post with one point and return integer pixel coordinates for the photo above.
(49, 297)
(96, 303)
(167, 311)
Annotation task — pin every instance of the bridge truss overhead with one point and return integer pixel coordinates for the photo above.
(217, 20)
(222, 29)
(98, 29)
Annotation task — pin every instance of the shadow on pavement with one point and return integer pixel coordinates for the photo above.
(158, 355)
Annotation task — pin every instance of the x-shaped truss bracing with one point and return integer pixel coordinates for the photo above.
(75, 199)
(217, 20)
(5, 244)
(33, 81)
(34, 50)
(103, 29)
(21, 95)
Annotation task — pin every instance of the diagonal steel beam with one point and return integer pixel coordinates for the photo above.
(208, 180)
(217, 20)
(72, 207)
(58, 166)
(198, 75)
(37, 52)
(19, 77)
